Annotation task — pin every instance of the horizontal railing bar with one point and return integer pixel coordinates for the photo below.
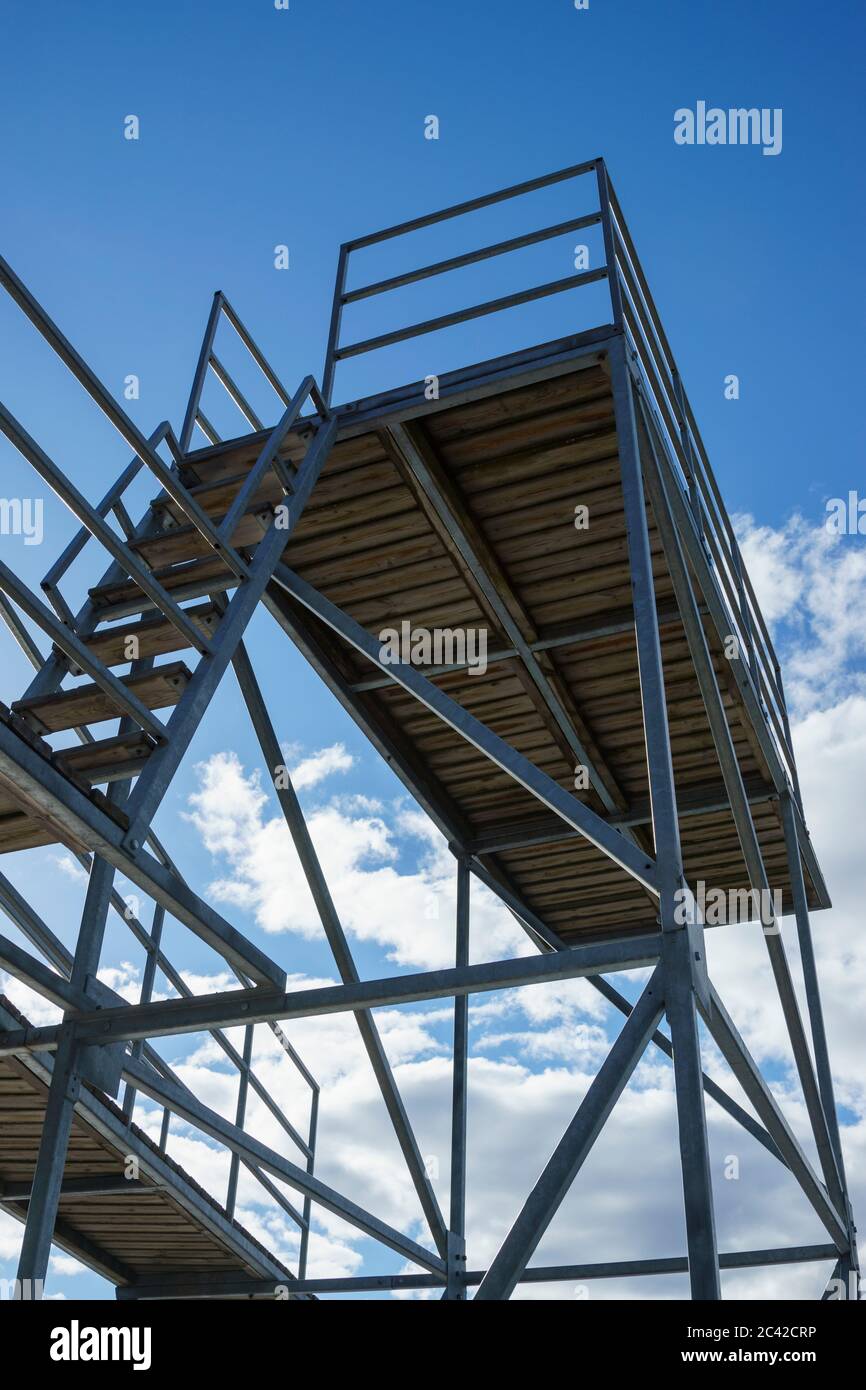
(721, 543)
(665, 377)
(490, 306)
(717, 535)
(471, 205)
(500, 248)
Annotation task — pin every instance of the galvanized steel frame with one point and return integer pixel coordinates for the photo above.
(662, 459)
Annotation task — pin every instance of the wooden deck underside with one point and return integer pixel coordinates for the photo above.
(518, 463)
(128, 1239)
(515, 463)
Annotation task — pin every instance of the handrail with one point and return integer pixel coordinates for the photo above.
(208, 360)
(679, 432)
(110, 502)
(635, 315)
(337, 351)
(50, 947)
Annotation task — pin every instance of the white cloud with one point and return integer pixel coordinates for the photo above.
(535, 1051)
(810, 585)
(313, 770)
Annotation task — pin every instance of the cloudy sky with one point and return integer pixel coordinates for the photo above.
(535, 1051)
(125, 243)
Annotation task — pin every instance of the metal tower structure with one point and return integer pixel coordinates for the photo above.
(634, 655)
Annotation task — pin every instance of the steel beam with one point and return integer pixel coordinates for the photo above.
(460, 532)
(459, 1093)
(336, 937)
(64, 804)
(65, 1086)
(723, 742)
(684, 967)
(748, 1074)
(182, 1103)
(573, 1148)
(195, 1284)
(230, 1008)
(574, 812)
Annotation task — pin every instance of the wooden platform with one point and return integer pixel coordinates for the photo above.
(514, 458)
(127, 1231)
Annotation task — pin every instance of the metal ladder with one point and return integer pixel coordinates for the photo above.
(219, 542)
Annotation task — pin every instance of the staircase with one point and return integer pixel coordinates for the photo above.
(183, 583)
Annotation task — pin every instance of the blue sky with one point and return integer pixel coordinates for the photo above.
(306, 127)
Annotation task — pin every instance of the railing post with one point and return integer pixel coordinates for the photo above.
(240, 1116)
(334, 329)
(204, 355)
(609, 245)
(686, 442)
(311, 1164)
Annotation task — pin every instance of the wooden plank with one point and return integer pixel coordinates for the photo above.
(155, 636)
(88, 704)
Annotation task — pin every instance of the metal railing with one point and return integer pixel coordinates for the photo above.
(208, 360)
(633, 313)
(68, 632)
(40, 936)
(339, 352)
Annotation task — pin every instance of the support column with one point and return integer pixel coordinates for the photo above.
(457, 1218)
(682, 956)
(63, 1093)
(311, 1162)
(240, 1116)
(849, 1264)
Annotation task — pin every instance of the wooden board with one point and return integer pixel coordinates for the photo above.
(513, 465)
(124, 1238)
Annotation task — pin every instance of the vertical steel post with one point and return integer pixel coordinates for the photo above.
(63, 1091)
(240, 1116)
(610, 256)
(311, 1162)
(682, 958)
(823, 1070)
(457, 1217)
(334, 329)
(145, 996)
(198, 380)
